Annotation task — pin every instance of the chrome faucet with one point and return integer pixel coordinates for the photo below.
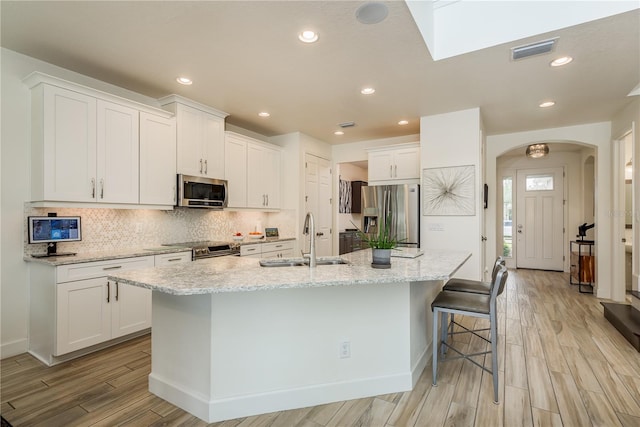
(310, 229)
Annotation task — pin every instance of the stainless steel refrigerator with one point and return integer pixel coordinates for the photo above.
(399, 204)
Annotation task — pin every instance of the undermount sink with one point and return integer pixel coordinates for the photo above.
(299, 262)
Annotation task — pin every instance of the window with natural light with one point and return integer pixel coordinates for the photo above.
(539, 183)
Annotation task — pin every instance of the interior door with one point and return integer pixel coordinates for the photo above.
(540, 219)
(318, 201)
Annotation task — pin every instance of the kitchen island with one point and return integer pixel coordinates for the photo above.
(232, 339)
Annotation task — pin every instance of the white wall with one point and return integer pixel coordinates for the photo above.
(596, 135)
(454, 139)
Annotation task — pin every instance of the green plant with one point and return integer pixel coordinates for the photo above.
(380, 240)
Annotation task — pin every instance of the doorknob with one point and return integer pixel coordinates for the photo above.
(520, 231)
(484, 239)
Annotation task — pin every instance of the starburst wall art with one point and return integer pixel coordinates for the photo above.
(449, 191)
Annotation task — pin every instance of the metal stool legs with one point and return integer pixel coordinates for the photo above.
(449, 303)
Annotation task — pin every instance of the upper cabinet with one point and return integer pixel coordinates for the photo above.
(92, 147)
(200, 137)
(157, 160)
(395, 163)
(253, 172)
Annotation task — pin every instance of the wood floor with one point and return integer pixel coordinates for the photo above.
(561, 363)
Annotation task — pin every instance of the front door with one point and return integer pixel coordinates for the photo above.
(318, 201)
(539, 226)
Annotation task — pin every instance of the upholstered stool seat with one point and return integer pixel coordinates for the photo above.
(474, 286)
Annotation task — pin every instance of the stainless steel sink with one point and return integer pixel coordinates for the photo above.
(299, 262)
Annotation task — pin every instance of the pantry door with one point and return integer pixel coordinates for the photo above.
(318, 201)
(539, 226)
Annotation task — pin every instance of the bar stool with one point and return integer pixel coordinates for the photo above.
(474, 305)
(473, 286)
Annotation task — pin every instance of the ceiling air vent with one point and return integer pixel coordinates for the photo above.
(532, 49)
(347, 124)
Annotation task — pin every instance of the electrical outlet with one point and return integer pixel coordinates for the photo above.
(345, 350)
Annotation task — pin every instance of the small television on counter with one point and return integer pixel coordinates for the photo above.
(52, 230)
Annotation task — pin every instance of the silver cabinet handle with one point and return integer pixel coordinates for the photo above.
(108, 291)
(200, 165)
(173, 190)
(174, 259)
(319, 233)
(117, 291)
(115, 267)
(93, 188)
(267, 200)
(390, 171)
(206, 167)
(101, 188)
(395, 170)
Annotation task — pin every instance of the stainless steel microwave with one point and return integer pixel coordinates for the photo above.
(200, 192)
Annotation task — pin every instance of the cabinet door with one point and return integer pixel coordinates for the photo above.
(189, 139)
(69, 146)
(83, 314)
(256, 177)
(130, 309)
(252, 251)
(157, 160)
(380, 166)
(271, 166)
(170, 259)
(235, 154)
(407, 163)
(213, 146)
(118, 153)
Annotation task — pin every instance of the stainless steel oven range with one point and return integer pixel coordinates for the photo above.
(209, 249)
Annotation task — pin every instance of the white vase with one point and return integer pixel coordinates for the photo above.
(381, 258)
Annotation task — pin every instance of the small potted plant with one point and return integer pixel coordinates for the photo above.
(381, 244)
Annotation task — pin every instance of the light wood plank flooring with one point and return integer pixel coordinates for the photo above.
(561, 363)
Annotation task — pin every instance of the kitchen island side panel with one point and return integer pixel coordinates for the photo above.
(281, 349)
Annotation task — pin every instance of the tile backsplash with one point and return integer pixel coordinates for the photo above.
(117, 229)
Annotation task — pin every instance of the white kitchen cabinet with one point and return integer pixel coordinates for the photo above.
(253, 172)
(200, 137)
(157, 160)
(74, 306)
(117, 153)
(278, 249)
(401, 162)
(235, 160)
(63, 145)
(281, 249)
(85, 144)
(251, 251)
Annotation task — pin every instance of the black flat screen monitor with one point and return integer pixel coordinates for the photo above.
(54, 229)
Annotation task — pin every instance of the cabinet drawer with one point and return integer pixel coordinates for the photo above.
(277, 246)
(246, 250)
(88, 270)
(175, 258)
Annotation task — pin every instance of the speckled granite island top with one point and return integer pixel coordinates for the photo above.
(240, 274)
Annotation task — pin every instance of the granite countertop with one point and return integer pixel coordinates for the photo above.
(240, 274)
(250, 241)
(81, 257)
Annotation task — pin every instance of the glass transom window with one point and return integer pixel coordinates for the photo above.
(539, 183)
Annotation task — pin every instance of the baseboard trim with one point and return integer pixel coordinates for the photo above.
(13, 348)
(248, 405)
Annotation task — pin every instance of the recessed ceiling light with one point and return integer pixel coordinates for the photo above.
(184, 80)
(403, 122)
(547, 104)
(264, 114)
(338, 132)
(564, 60)
(367, 91)
(308, 36)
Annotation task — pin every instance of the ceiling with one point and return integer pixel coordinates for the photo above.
(245, 57)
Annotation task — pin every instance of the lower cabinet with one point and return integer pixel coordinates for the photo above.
(74, 306)
(282, 249)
